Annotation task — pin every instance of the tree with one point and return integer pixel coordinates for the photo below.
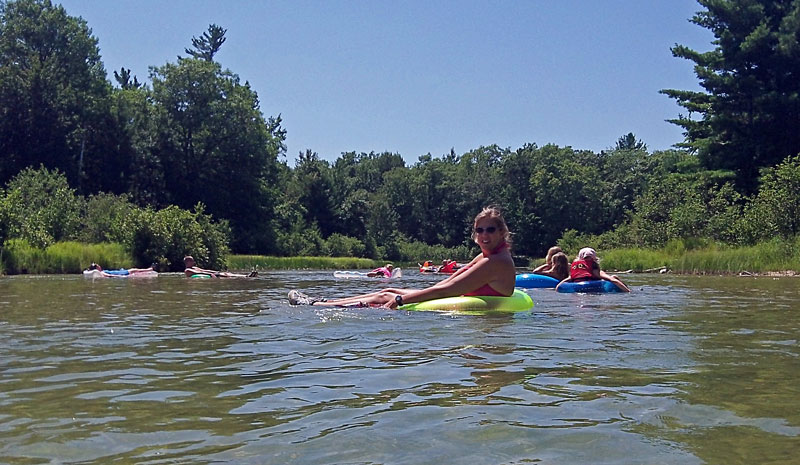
(53, 90)
(629, 142)
(216, 147)
(208, 44)
(123, 78)
(749, 114)
(314, 189)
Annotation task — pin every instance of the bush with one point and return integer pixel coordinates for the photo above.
(167, 235)
(418, 252)
(104, 218)
(249, 262)
(41, 208)
(776, 209)
(338, 245)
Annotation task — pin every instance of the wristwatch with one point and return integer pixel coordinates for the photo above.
(399, 299)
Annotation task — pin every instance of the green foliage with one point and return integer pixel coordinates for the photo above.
(772, 255)
(105, 218)
(215, 147)
(637, 260)
(683, 202)
(209, 43)
(418, 252)
(630, 142)
(748, 114)
(20, 257)
(248, 262)
(338, 245)
(775, 211)
(53, 90)
(166, 236)
(40, 207)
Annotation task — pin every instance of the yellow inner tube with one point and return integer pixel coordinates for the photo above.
(519, 301)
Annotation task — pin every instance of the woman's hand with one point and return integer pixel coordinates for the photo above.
(392, 303)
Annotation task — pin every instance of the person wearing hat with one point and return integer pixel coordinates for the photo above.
(587, 268)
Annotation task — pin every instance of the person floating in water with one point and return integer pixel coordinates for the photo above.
(122, 271)
(191, 269)
(556, 264)
(384, 271)
(490, 273)
(587, 268)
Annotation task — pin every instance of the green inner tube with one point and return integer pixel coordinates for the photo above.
(519, 301)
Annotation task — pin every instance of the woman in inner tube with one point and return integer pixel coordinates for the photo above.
(491, 273)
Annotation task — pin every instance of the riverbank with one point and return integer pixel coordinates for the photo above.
(776, 258)
(773, 258)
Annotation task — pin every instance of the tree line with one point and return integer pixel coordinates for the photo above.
(192, 147)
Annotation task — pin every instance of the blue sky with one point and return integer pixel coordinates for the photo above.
(418, 77)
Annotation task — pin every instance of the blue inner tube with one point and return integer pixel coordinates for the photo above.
(531, 280)
(595, 285)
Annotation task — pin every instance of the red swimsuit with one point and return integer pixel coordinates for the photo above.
(487, 290)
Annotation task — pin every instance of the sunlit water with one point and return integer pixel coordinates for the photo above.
(685, 370)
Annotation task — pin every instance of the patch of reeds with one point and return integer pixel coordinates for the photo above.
(704, 257)
(19, 257)
(637, 260)
(249, 262)
(775, 255)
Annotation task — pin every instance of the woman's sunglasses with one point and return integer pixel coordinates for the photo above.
(489, 230)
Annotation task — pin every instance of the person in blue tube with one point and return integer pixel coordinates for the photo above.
(587, 268)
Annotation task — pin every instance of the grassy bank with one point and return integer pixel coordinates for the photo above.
(248, 262)
(19, 257)
(773, 256)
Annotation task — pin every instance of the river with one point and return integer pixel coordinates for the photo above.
(684, 370)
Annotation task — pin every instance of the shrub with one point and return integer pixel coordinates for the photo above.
(167, 235)
(418, 252)
(338, 245)
(776, 209)
(41, 208)
(104, 218)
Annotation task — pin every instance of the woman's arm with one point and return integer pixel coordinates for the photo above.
(540, 268)
(617, 282)
(565, 280)
(480, 272)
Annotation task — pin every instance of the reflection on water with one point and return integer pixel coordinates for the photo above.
(173, 370)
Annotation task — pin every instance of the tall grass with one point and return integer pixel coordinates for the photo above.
(19, 257)
(705, 257)
(248, 262)
(775, 255)
(638, 260)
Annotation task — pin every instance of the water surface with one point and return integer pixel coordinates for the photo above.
(685, 370)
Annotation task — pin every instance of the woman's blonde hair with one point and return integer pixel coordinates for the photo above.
(560, 266)
(550, 252)
(493, 213)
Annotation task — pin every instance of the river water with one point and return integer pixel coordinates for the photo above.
(684, 370)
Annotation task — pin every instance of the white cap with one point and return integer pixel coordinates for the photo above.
(587, 252)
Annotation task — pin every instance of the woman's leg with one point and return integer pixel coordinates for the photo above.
(373, 298)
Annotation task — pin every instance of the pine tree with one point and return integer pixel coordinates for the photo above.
(749, 115)
(208, 44)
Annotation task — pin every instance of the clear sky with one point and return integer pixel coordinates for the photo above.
(425, 76)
